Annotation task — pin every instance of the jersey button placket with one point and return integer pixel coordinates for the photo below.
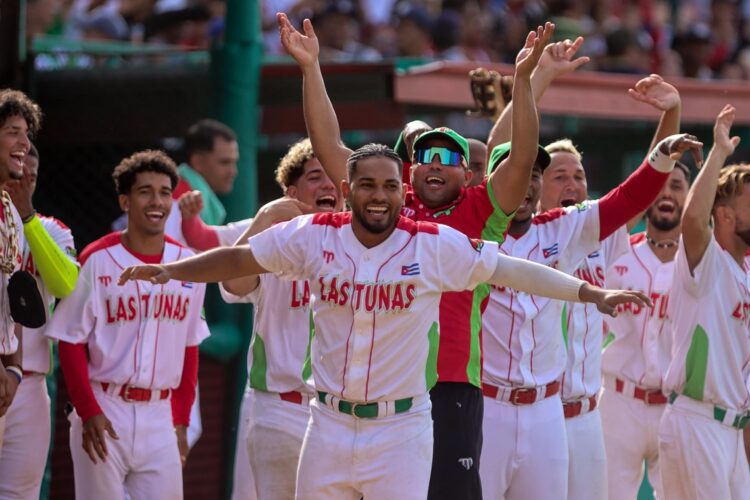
(360, 348)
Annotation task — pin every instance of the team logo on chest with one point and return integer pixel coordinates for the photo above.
(169, 306)
(375, 297)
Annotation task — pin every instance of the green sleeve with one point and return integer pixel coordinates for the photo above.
(59, 273)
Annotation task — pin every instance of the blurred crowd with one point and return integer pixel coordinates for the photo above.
(704, 39)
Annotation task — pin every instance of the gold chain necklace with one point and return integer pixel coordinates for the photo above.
(8, 237)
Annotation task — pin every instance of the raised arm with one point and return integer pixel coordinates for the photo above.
(213, 266)
(276, 211)
(642, 187)
(510, 181)
(537, 279)
(696, 232)
(653, 90)
(556, 60)
(320, 117)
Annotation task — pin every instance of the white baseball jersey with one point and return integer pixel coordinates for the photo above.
(36, 351)
(136, 334)
(375, 309)
(8, 339)
(278, 358)
(583, 324)
(640, 351)
(710, 314)
(522, 342)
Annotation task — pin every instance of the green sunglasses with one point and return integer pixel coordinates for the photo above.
(446, 156)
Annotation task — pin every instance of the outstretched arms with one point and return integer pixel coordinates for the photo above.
(696, 232)
(320, 117)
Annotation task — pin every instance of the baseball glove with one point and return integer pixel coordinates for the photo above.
(491, 92)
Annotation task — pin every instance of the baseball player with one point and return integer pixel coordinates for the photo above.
(524, 352)
(634, 363)
(130, 354)
(49, 255)
(701, 451)
(20, 118)
(439, 193)
(376, 281)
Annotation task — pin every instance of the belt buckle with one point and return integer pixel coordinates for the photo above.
(647, 398)
(354, 410)
(126, 395)
(518, 393)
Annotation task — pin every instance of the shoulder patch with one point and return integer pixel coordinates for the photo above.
(476, 244)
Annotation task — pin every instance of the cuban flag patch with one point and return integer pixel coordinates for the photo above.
(550, 251)
(410, 270)
(187, 284)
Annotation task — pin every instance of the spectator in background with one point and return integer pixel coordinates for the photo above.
(337, 28)
(413, 31)
(474, 30)
(627, 52)
(40, 16)
(477, 161)
(693, 46)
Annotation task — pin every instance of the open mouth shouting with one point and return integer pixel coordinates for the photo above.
(567, 202)
(666, 207)
(155, 216)
(434, 182)
(326, 202)
(17, 160)
(377, 212)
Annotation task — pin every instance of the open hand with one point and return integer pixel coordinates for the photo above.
(532, 51)
(303, 48)
(722, 127)
(557, 58)
(606, 301)
(154, 273)
(94, 439)
(655, 91)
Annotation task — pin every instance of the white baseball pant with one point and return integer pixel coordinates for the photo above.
(345, 457)
(587, 467)
(244, 482)
(525, 450)
(631, 435)
(274, 441)
(145, 459)
(27, 440)
(701, 458)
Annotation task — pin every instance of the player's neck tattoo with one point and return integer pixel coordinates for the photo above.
(8, 236)
(665, 243)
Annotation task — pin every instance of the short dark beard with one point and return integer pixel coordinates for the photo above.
(663, 224)
(389, 223)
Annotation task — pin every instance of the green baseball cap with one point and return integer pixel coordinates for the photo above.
(451, 135)
(499, 153)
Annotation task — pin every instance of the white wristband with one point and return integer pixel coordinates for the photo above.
(16, 371)
(660, 161)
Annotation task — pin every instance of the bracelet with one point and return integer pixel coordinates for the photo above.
(29, 217)
(15, 370)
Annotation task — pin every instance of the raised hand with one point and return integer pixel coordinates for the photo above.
(722, 127)
(678, 144)
(191, 204)
(532, 51)
(154, 273)
(303, 48)
(557, 58)
(655, 91)
(94, 440)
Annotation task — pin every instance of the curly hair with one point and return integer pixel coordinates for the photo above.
(143, 161)
(292, 165)
(16, 103)
(563, 146)
(732, 180)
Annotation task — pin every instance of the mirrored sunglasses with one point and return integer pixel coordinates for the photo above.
(446, 156)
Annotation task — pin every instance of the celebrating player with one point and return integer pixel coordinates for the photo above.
(130, 355)
(700, 434)
(376, 280)
(49, 255)
(20, 118)
(440, 175)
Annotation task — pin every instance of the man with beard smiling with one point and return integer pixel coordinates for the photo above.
(440, 175)
(634, 363)
(376, 283)
(130, 354)
(701, 450)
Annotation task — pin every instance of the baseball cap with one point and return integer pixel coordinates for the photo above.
(400, 148)
(446, 133)
(26, 305)
(499, 153)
